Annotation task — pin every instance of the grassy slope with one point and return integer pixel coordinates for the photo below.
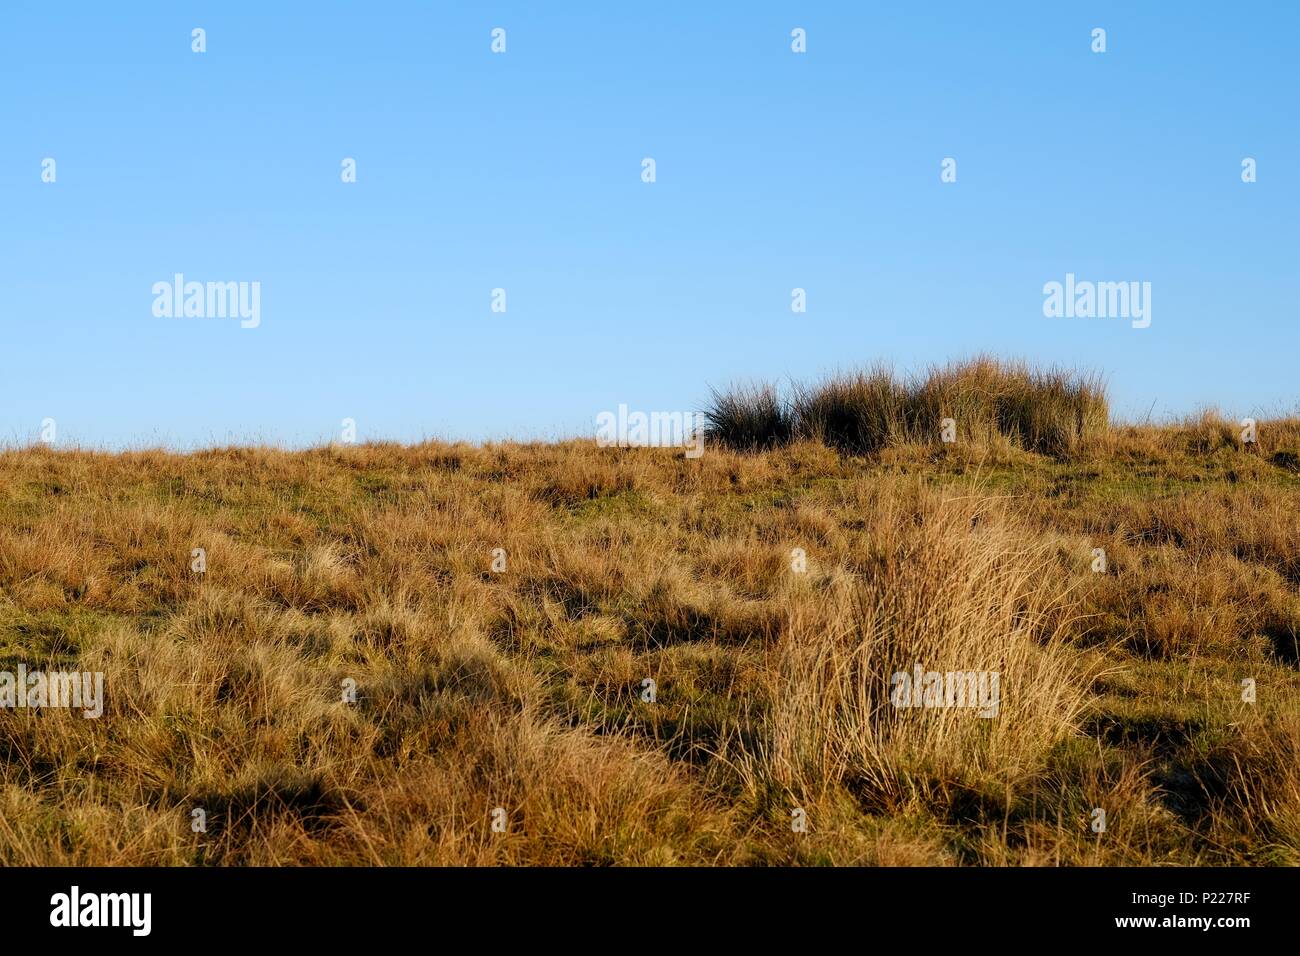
(521, 690)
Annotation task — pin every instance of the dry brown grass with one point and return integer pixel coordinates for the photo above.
(948, 585)
(522, 689)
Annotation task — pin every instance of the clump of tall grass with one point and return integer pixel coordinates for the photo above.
(748, 417)
(858, 411)
(1043, 410)
(949, 587)
(988, 400)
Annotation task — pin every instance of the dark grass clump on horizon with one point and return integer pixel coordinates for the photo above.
(1049, 411)
(749, 418)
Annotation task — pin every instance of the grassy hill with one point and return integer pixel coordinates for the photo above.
(769, 591)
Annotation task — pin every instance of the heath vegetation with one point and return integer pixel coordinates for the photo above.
(565, 654)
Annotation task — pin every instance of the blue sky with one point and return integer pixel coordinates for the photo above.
(522, 171)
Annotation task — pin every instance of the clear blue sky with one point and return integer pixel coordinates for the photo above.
(523, 171)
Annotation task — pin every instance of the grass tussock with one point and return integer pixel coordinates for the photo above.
(987, 401)
(947, 588)
(749, 418)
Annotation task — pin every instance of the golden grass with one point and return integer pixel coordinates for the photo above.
(946, 586)
(522, 690)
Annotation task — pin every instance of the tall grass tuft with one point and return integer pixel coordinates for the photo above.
(749, 417)
(1050, 411)
(948, 585)
(1042, 410)
(855, 412)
